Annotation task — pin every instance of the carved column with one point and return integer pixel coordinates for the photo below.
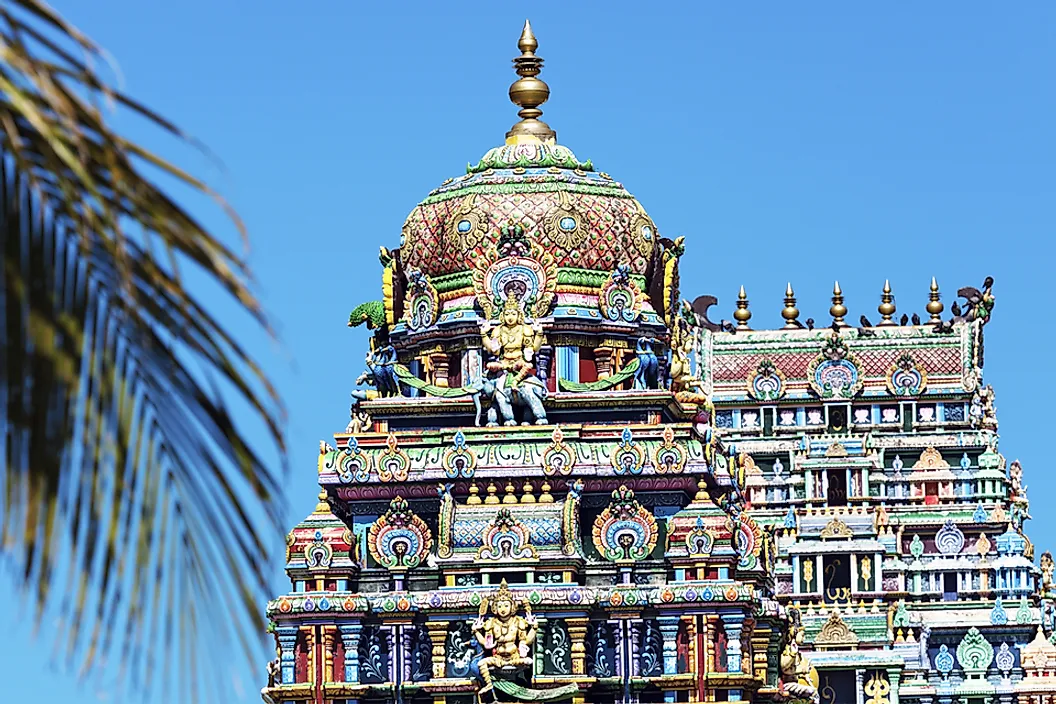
(543, 359)
(538, 648)
(859, 677)
(328, 653)
(603, 361)
(669, 631)
(438, 361)
(350, 639)
(309, 637)
(406, 641)
(287, 642)
(894, 677)
(577, 633)
(438, 637)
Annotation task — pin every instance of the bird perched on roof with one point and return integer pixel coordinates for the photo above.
(944, 327)
(810, 323)
(915, 319)
(980, 303)
(866, 332)
(865, 322)
(729, 327)
(835, 327)
(955, 309)
(904, 320)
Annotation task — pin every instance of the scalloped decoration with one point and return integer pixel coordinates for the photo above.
(628, 457)
(669, 457)
(459, 461)
(906, 378)
(767, 382)
(974, 653)
(558, 457)
(506, 539)
(399, 540)
(625, 531)
(393, 463)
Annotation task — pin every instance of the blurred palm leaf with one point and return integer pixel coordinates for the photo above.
(134, 511)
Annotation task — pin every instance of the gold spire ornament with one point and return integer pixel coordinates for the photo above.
(934, 306)
(790, 313)
(529, 92)
(838, 310)
(742, 315)
(887, 305)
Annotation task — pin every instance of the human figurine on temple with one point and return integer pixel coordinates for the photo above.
(506, 637)
(512, 341)
(274, 670)
(799, 678)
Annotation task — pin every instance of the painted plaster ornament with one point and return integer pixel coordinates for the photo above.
(505, 636)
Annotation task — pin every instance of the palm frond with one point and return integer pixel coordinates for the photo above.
(134, 507)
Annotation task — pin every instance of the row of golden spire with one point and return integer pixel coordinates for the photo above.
(838, 310)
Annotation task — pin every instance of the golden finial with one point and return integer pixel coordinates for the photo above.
(510, 497)
(838, 310)
(527, 497)
(491, 498)
(545, 497)
(474, 495)
(529, 92)
(887, 305)
(934, 306)
(790, 313)
(742, 315)
(322, 506)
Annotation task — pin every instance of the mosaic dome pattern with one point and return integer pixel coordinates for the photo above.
(582, 217)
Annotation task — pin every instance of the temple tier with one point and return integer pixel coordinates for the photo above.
(563, 482)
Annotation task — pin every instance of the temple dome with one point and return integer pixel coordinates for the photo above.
(584, 218)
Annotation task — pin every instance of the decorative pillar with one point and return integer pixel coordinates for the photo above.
(734, 624)
(406, 635)
(350, 639)
(859, 677)
(894, 677)
(328, 653)
(568, 363)
(438, 361)
(287, 636)
(395, 650)
(669, 631)
(603, 361)
(577, 633)
(543, 359)
(438, 637)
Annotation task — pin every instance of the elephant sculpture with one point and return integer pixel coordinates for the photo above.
(529, 395)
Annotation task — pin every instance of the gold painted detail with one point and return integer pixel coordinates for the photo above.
(836, 633)
(931, 460)
(836, 529)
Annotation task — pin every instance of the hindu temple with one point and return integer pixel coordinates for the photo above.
(563, 481)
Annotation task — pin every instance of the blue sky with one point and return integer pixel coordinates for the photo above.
(798, 142)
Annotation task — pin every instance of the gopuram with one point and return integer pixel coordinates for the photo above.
(563, 482)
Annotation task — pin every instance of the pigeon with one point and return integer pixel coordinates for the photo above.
(729, 327)
(915, 319)
(835, 327)
(955, 309)
(810, 323)
(944, 327)
(865, 322)
(988, 283)
(866, 332)
(904, 320)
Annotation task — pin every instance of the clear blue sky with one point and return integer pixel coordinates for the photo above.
(786, 141)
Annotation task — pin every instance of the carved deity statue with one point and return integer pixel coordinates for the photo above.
(512, 341)
(506, 637)
(798, 677)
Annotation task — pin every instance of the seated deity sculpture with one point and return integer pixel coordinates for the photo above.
(513, 342)
(505, 636)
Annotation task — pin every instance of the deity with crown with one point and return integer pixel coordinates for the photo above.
(506, 637)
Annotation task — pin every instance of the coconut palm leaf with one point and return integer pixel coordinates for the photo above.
(135, 513)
